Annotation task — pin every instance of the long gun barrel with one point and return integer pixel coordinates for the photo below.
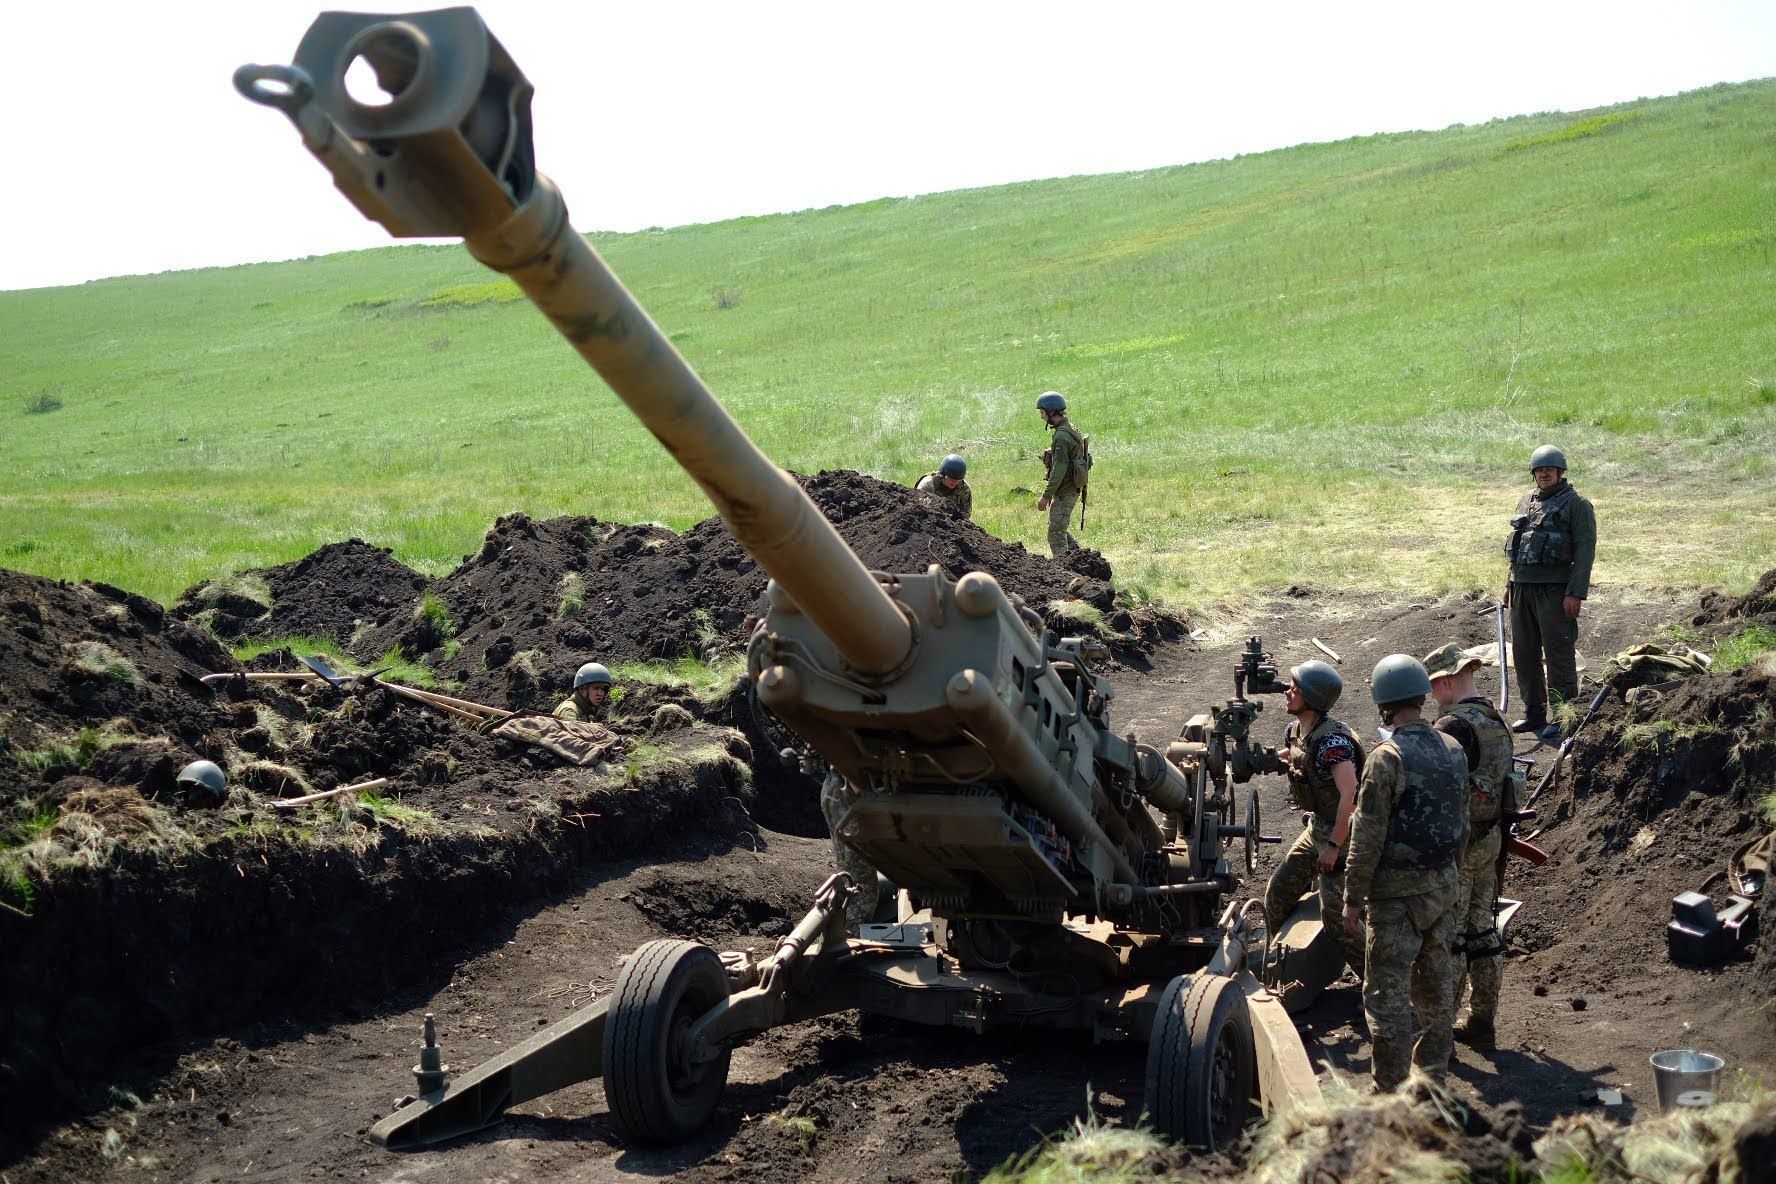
(449, 155)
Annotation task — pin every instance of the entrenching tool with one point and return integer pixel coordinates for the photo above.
(323, 795)
(476, 713)
(1566, 745)
(1498, 613)
(1057, 875)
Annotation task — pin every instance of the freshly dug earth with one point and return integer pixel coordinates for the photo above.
(331, 593)
(1719, 611)
(79, 655)
(539, 598)
(882, 1103)
(134, 914)
(1663, 792)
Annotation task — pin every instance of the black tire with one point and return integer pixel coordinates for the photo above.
(655, 1094)
(1201, 1065)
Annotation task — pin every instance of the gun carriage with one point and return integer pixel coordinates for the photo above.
(1048, 872)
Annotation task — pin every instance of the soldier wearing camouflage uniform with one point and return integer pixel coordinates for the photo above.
(1406, 846)
(1552, 543)
(949, 486)
(835, 799)
(591, 695)
(1324, 759)
(1067, 460)
(1485, 739)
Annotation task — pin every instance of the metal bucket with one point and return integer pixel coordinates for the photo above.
(1681, 1070)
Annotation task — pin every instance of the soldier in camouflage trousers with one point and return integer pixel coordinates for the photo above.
(1407, 837)
(835, 799)
(1068, 461)
(1485, 739)
(1324, 759)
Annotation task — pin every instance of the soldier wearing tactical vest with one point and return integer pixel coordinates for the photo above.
(949, 486)
(1068, 459)
(1407, 837)
(1324, 759)
(1469, 719)
(1552, 542)
(591, 694)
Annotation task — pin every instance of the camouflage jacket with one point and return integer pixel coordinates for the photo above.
(1311, 762)
(1411, 822)
(1065, 459)
(959, 499)
(1553, 540)
(1485, 739)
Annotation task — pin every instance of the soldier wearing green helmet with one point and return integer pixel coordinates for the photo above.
(1407, 837)
(1068, 462)
(202, 781)
(1552, 543)
(1485, 739)
(1324, 759)
(591, 694)
(948, 486)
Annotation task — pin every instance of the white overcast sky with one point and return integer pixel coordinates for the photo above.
(128, 150)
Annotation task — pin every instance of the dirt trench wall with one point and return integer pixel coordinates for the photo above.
(115, 968)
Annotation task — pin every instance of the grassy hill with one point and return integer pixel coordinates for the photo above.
(1325, 364)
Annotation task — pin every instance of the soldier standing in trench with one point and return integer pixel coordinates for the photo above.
(1485, 739)
(1325, 759)
(1067, 459)
(949, 486)
(591, 694)
(1552, 543)
(1406, 845)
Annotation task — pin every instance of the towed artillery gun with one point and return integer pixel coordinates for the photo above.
(1051, 873)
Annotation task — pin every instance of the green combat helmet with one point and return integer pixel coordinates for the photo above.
(1447, 661)
(1319, 684)
(1398, 677)
(591, 672)
(1547, 456)
(205, 779)
(954, 467)
(1052, 401)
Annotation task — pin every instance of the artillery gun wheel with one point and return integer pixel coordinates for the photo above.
(656, 1094)
(1201, 1062)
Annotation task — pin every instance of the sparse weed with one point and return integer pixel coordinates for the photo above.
(240, 586)
(804, 1129)
(101, 661)
(73, 753)
(573, 595)
(386, 809)
(1743, 648)
(709, 680)
(41, 404)
(1078, 610)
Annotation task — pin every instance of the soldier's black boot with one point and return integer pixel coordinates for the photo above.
(1534, 720)
(1477, 1031)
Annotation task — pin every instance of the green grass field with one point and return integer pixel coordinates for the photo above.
(1322, 364)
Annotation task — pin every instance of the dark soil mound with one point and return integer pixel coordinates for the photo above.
(80, 655)
(539, 598)
(1661, 794)
(331, 593)
(1756, 607)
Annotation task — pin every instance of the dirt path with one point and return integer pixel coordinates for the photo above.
(281, 1103)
